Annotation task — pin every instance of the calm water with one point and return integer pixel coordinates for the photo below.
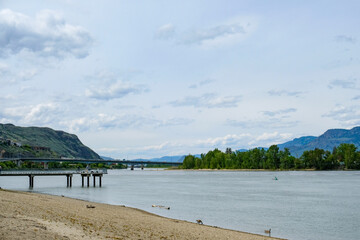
(300, 205)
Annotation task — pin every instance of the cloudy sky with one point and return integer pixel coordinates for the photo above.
(154, 78)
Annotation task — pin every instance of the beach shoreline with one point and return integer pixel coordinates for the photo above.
(27, 215)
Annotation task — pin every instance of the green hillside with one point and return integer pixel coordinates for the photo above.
(41, 142)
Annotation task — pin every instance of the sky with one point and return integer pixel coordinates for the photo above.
(144, 79)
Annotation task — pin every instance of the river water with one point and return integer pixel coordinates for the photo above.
(299, 205)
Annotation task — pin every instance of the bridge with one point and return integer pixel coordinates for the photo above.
(69, 173)
(89, 161)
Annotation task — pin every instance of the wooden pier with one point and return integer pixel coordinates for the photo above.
(68, 173)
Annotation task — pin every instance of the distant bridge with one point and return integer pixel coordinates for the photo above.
(88, 161)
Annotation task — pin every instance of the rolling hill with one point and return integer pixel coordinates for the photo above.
(40, 141)
(327, 141)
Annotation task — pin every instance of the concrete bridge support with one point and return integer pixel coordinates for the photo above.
(87, 175)
(99, 176)
(69, 180)
(31, 181)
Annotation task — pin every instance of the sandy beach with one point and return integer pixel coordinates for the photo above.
(25, 215)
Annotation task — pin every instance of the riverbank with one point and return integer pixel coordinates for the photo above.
(25, 215)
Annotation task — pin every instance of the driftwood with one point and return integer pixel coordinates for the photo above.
(161, 206)
(90, 206)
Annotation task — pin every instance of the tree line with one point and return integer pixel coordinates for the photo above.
(345, 156)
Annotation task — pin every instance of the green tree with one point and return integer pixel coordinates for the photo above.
(272, 157)
(286, 160)
(189, 162)
(346, 153)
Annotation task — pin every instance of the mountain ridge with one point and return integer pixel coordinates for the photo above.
(327, 141)
(43, 141)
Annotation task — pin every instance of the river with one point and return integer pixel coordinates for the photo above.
(299, 205)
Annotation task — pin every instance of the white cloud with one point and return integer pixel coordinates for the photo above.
(230, 140)
(279, 112)
(104, 121)
(213, 34)
(346, 116)
(284, 93)
(40, 114)
(4, 68)
(202, 83)
(223, 33)
(27, 74)
(345, 38)
(166, 31)
(116, 90)
(277, 123)
(209, 100)
(267, 139)
(347, 84)
(47, 35)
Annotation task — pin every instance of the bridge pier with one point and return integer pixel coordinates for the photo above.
(87, 175)
(69, 180)
(99, 176)
(31, 181)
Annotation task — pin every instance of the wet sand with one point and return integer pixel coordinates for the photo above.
(25, 215)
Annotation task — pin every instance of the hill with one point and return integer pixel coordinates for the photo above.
(327, 141)
(41, 142)
(179, 158)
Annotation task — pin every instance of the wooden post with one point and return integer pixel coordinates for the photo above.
(67, 180)
(100, 180)
(82, 180)
(94, 179)
(70, 180)
(88, 180)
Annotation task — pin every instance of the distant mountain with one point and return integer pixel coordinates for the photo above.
(106, 158)
(164, 159)
(41, 142)
(327, 141)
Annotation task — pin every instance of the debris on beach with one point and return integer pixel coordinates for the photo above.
(161, 206)
(90, 206)
(199, 222)
(268, 232)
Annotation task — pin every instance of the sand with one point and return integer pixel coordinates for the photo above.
(25, 215)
